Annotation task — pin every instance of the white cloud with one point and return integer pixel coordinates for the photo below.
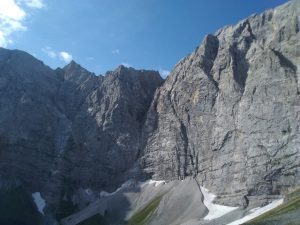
(164, 73)
(65, 56)
(2, 39)
(89, 58)
(126, 64)
(62, 55)
(12, 18)
(9, 9)
(48, 50)
(38, 4)
(115, 51)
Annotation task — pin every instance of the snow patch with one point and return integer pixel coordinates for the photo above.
(156, 182)
(106, 194)
(214, 210)
(39, 201)
(125, 185)
(151, 182)
(254, 209)
(257, 212)
(88, 191)
(131, 183)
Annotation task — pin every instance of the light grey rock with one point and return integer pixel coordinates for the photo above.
(228, 113)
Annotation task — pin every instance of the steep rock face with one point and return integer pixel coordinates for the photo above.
(101, 131)
(27, 117)
(228, 113)
(106, 129)
(67, 128)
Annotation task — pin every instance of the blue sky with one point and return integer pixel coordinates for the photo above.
(102, 34)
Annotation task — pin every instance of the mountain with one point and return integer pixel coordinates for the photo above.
(65, 129)
(131, 148)
(228, 113)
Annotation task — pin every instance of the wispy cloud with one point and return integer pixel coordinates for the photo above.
(65, 56)
(164, 73)
(48, 50)
(13, 16)
(126, 64)
(115, 51)
(90, 58)
(38, 4)
(62, 55)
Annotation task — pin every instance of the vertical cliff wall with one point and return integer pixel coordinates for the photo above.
(229, 112)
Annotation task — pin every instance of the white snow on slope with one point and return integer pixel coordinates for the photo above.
(214, 210)
(129, 183)
(257, 212)
(151, 182)
(106, 194)
(156, 182)
(39, 201)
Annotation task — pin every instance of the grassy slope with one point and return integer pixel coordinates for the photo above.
(143, 216)
(286, 214)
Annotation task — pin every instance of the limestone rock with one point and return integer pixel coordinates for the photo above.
(228, 113)
(64, 129)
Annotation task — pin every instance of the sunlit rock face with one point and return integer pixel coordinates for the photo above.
(229, 112)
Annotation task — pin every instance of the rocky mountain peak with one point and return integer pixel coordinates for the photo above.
(122, 70)
(74, 72)
(23, 64)
(226, 118)
(69, 125)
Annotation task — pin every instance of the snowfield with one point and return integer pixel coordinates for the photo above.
(149, 182)
(257, 212)
(39, 201)
(214, 210)
(184, 202)
(128, 184)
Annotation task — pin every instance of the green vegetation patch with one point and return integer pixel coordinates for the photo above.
(144, 216)
(293, 194)
(17, 207)
(286, 211)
